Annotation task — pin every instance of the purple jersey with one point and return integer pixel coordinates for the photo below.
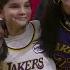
(62, 51)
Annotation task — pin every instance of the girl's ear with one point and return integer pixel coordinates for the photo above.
(3, 28)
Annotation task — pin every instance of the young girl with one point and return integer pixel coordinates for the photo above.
(23, 38)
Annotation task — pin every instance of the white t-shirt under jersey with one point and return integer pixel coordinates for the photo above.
(24, 52)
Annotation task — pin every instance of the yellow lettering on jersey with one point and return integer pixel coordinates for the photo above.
(63, 48)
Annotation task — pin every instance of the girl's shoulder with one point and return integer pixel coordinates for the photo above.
(36, 23)
(51, 63)
(37, 28)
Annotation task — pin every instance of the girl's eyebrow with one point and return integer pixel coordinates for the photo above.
(27, 2)
(13, 3)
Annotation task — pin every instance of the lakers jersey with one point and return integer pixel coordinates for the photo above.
(62, 51)
(24, 52)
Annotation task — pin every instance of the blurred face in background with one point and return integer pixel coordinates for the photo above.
(66, 6)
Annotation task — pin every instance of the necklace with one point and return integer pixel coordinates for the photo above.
(23, 40)
(65, 25)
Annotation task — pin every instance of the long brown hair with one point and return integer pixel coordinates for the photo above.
(3, 46)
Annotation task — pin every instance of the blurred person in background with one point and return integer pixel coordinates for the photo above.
(56, 32)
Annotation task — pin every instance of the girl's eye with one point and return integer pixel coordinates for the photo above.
(27, 5)
(14, 6)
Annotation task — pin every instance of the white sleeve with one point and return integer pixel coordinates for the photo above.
(51, 65)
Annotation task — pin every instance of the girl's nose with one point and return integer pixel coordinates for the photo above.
(22, 11)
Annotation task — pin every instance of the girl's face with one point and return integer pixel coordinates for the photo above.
(17, 12)
(66, 6)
